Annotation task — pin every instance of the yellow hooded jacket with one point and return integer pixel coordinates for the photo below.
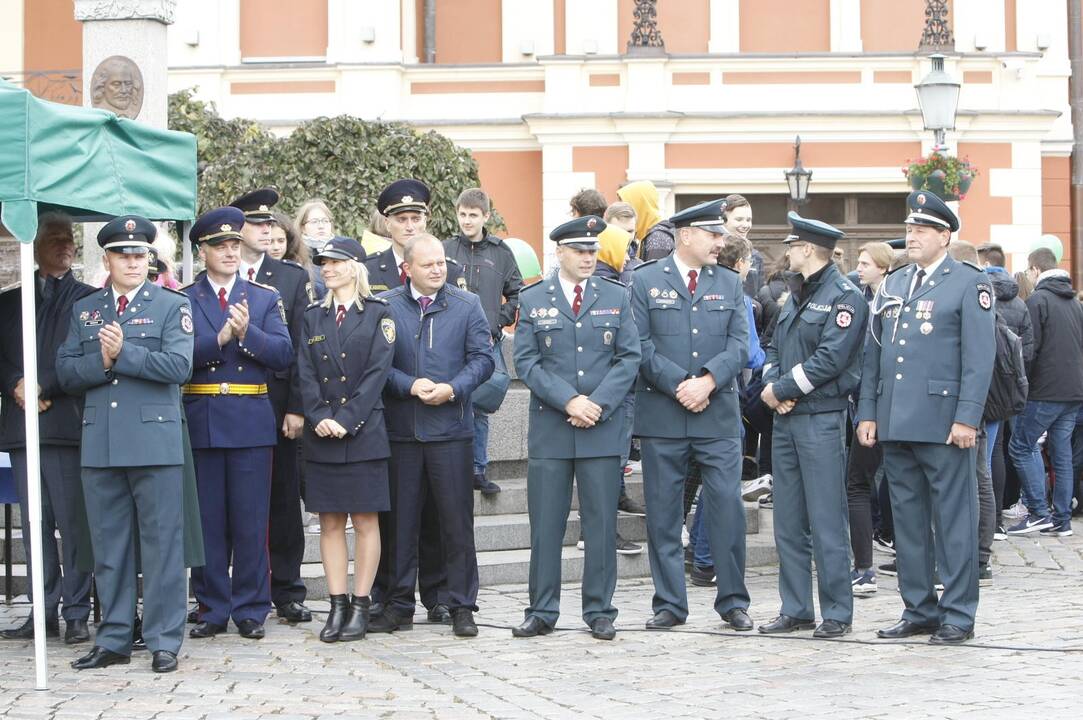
(643, 196)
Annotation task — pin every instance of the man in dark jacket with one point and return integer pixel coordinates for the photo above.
(443, 352)
(492, 274)
(1056, 395)
(59, 428)
(1010, 308)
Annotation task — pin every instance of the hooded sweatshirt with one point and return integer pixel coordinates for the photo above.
(643, 196)
(1055, 372)
(1011, 310)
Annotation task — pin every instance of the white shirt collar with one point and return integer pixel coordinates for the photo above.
(569, 288)
(229, 286)
(416, 295)
(933, 268)
(683, 269)
(130, 295)
(255, 266)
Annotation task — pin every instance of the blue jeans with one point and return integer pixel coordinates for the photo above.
(1058, 419)
(629, 405)
(481, 423)
(992, 430)
(698, 538)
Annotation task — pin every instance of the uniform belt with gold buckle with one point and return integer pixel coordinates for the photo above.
(223, 389)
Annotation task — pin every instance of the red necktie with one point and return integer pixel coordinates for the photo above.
(402, 274)
(122, 302)
(578, 301)
(692, 282)
(222, 302)
(341, 314)
(251, 274)
(424, 302)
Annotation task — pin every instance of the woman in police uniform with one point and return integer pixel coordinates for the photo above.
(345, 358)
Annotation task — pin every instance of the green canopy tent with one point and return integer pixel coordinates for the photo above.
(93, 166)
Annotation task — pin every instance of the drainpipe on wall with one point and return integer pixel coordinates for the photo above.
(430, 31)
(1075, 92)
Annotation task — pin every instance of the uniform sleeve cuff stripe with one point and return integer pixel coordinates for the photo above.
(801, 379)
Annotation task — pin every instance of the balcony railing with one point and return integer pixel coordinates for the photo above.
(63, 86)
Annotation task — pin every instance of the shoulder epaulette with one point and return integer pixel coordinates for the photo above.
(648, 263)
(263, 285)
(373, 298)
(537, 282)
(451, 261)
(174, 290)
(972, 265)
(613, 281)
(313, 304)
(292, 262)
(727, 267)
(901, 267)
(182, 288)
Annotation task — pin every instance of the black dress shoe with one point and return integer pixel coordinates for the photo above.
(831, 629)
(193, 615)
(390, 621)
(785, 624)
(440, 614)
(602, 629)
(738, 619)
(164, 661)
(251, 629)
(951, 635)
(462, 623)
(356, 623)
(138, 643)
(26, 630)
(905, 629)
(99, 657)
(332, 629)
(294, 612)
(76, 631)
(532, 627)
(663, 620)
(206, 629)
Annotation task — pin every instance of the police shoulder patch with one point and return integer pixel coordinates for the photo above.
(186, 320)
(282, 312)
(843, 318)
(387, 327)
(985, 296)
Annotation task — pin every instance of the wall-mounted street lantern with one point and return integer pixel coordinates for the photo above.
(798, 178)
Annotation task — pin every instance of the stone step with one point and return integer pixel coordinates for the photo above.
(508, 531)
(512, 497)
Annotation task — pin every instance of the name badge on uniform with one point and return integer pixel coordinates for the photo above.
(819, 308)
(318, 338)
(545, 322)
(606, 311)
(714, 297)
(91, 319)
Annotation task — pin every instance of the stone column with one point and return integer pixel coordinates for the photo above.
(123, 40)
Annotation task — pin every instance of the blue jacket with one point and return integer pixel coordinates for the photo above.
(448, 343)
(236, 421)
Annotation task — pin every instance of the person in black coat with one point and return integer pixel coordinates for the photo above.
(349, 343)
(59, 427)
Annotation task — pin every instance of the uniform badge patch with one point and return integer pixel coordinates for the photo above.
(311, 292)
(843, 318)
(607, 337)
(282, 311)
(985, 299)
(186, 320)
(533, 313)
(553, 312)
(318, 338)
(926, 328)
(387, 327)
(461, 282)
(84, 316)
(548, 341)
(653, 292)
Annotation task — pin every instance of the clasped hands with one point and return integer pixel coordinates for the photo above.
(236, 324)
(779, 406)
(431, 393)
(583, 412)
(695, 393)
(20, 397)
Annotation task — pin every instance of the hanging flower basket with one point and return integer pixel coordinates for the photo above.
(946, 176)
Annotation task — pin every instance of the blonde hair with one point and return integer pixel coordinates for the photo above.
(309, 206)
(1026, 285)
(361, 288)
(881, 254)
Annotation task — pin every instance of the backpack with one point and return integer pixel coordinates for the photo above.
(1008, 386)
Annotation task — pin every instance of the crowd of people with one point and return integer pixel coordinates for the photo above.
(906, 406)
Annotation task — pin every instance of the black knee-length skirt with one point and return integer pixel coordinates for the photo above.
(347, 487)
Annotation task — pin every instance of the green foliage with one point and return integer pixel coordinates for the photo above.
(343, 160)
(946, 175)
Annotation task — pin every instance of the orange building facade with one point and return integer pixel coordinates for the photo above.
(546, 96)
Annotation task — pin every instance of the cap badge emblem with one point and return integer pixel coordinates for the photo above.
(921, 199)
(263, 208)
(226, 227)
(130, 226)
(591, 222)
(407, 198)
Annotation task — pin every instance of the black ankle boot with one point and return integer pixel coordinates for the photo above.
(339, 610)
(357, 621)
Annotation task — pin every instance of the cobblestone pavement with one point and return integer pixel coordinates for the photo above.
(701, 671)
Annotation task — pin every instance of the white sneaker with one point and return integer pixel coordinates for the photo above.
(753, 489)
(636, 466)
(685, 537)
(1019, 510)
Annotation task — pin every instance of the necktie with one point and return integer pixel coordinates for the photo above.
(340, 315)
(424, 302)
(122, 302)
(578, 301)
(692, 274)
(222, 302)
(920, 280)
(251, 274)
(402, 274)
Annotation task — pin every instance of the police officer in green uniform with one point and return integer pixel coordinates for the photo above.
(128, 350)
(813, 364)
(693, 329)
(577, 349)
(927, 367)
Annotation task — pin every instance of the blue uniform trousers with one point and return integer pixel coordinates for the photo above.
(440, 473)
(120, 501)
(549, 500)
(808, 455)
(665, 465)
(234, 499)
(60, 491)
(934, 502)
